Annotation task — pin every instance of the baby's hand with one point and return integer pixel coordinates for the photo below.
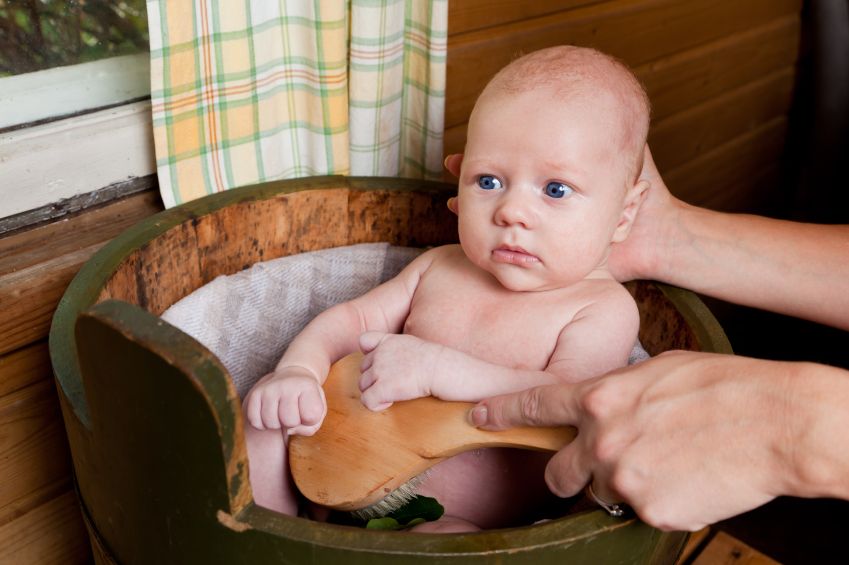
(291, 399)
(395, 367)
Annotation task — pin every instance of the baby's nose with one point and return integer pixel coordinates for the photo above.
(513, 209)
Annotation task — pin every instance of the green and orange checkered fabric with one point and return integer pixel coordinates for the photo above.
(256, 90)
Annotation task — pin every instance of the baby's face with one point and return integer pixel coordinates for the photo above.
(542, 188)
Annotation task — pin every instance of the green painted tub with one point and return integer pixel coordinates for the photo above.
(154, 422)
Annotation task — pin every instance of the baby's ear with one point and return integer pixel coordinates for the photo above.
(633, 201)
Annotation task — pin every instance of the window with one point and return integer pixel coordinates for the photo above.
(74, 94)
(42, 34)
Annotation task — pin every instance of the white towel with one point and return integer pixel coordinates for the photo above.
(248, 319)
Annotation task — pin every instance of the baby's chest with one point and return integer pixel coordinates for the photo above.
(513, 329)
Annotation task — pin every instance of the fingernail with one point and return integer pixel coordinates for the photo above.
(478, 415)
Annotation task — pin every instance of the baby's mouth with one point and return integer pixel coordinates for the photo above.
(513, 255)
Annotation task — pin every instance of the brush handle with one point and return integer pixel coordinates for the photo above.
(357, 457)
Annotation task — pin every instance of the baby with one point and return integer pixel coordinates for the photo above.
(548, 182)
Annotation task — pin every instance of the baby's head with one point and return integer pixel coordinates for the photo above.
(550, 174)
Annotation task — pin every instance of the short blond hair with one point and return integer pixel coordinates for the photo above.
(570, 69)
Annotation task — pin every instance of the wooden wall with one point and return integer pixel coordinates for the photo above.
(39, 518)
(720, 75)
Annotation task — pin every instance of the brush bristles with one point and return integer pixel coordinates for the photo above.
(392, 501)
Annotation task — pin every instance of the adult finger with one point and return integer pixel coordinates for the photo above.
(452, 204)
(550, 405)
(649, 171)
(568, 471)
(453, 163)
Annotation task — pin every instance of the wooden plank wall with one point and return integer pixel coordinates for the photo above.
(720, 75)
(39, 518)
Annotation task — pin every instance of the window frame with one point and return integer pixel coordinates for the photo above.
(48, 159)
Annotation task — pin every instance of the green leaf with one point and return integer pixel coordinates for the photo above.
(385, 523)
(415, 522)
(419, 510)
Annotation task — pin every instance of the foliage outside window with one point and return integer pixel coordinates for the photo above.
(40, 34)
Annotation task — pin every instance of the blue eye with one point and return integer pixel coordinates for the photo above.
(557, 190)
(488, 182)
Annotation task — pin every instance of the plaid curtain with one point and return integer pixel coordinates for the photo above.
(258, 90)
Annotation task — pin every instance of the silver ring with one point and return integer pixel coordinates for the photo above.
(617, 510)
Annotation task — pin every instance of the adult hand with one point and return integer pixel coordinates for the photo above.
(645, 252)
(686, 439)
(452, 164)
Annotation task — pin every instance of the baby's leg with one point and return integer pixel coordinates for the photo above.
(270, 478)
(490, 488)
(446, 525)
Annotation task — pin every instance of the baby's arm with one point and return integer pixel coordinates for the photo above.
(597, 340)
(291, 396)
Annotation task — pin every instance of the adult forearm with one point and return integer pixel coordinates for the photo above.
(817, 420)
(786, 267)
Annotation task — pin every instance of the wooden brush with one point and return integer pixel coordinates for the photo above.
(359, 458)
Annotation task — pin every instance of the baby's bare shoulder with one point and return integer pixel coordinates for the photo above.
(435, 257)
(609, 288)
(445, 259)
(443, 252)
(606, 297)
(438, 256)
(597, 289)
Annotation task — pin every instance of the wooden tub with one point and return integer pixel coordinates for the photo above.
(155, 425)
